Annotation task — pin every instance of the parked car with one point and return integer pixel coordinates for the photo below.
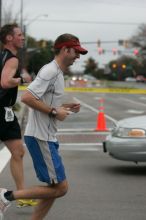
(91, 80)
(127, 140)
(130, 79)
(77, 81)
(140, 78)
(89, 77)
(84, 81)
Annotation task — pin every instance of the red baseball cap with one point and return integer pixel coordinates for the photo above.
(72, 44)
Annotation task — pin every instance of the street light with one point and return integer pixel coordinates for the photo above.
(25, 26)
(35, 19)
(31, 21)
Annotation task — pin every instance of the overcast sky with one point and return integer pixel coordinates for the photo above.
(90, 20)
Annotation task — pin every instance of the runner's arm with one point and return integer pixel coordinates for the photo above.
(8, 73)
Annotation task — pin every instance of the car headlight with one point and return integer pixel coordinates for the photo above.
(129, 132)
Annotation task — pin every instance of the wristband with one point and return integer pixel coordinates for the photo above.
(22, 80)
(53, 112)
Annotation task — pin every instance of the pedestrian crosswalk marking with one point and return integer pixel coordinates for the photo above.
(4, 158)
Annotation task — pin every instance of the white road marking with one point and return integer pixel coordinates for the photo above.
(135, 111)
(94, 110)
(143, 98)
(133, 102)
(83, 130)
(80, 146)
(4, 158)
(1, 216)
(79, 149)
(72, 131)
(97, 98)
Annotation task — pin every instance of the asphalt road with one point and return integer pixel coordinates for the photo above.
(101, 188)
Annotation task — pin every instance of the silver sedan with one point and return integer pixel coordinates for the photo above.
(127, 140)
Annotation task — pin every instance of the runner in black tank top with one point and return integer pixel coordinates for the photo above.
(12, 39)
(7, 96)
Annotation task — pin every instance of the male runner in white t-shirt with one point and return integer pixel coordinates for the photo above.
(44, 97)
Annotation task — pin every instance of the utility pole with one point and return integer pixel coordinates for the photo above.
(0, 13)
(21, 15)
(22, 51)
(0, 20)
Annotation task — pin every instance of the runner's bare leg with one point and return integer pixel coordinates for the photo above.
(16, 163)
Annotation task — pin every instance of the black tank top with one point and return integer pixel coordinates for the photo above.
(8, 96)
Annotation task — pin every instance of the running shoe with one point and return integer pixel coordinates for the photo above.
(4, 203)
(26, 202)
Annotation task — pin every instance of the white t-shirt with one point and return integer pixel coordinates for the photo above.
(49, 87)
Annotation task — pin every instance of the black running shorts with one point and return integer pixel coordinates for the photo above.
(9, 130)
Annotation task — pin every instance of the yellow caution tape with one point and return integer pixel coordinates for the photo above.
(100, 90)
(107, 90)
(22, 88)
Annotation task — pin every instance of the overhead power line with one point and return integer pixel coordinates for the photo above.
(102, 42)
(90, 22)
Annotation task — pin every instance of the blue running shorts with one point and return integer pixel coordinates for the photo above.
(46, 160)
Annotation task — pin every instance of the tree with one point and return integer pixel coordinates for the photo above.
(8, 15)
(31, 42)
(39, 57)
(139, 39)
(123, 67)
(91, 67)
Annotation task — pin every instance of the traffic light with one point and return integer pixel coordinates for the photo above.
(100, 50)
(136, 52)
(114, 51)
(123, 66)
(114, 65)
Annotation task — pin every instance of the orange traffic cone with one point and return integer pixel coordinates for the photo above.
(101, 122)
